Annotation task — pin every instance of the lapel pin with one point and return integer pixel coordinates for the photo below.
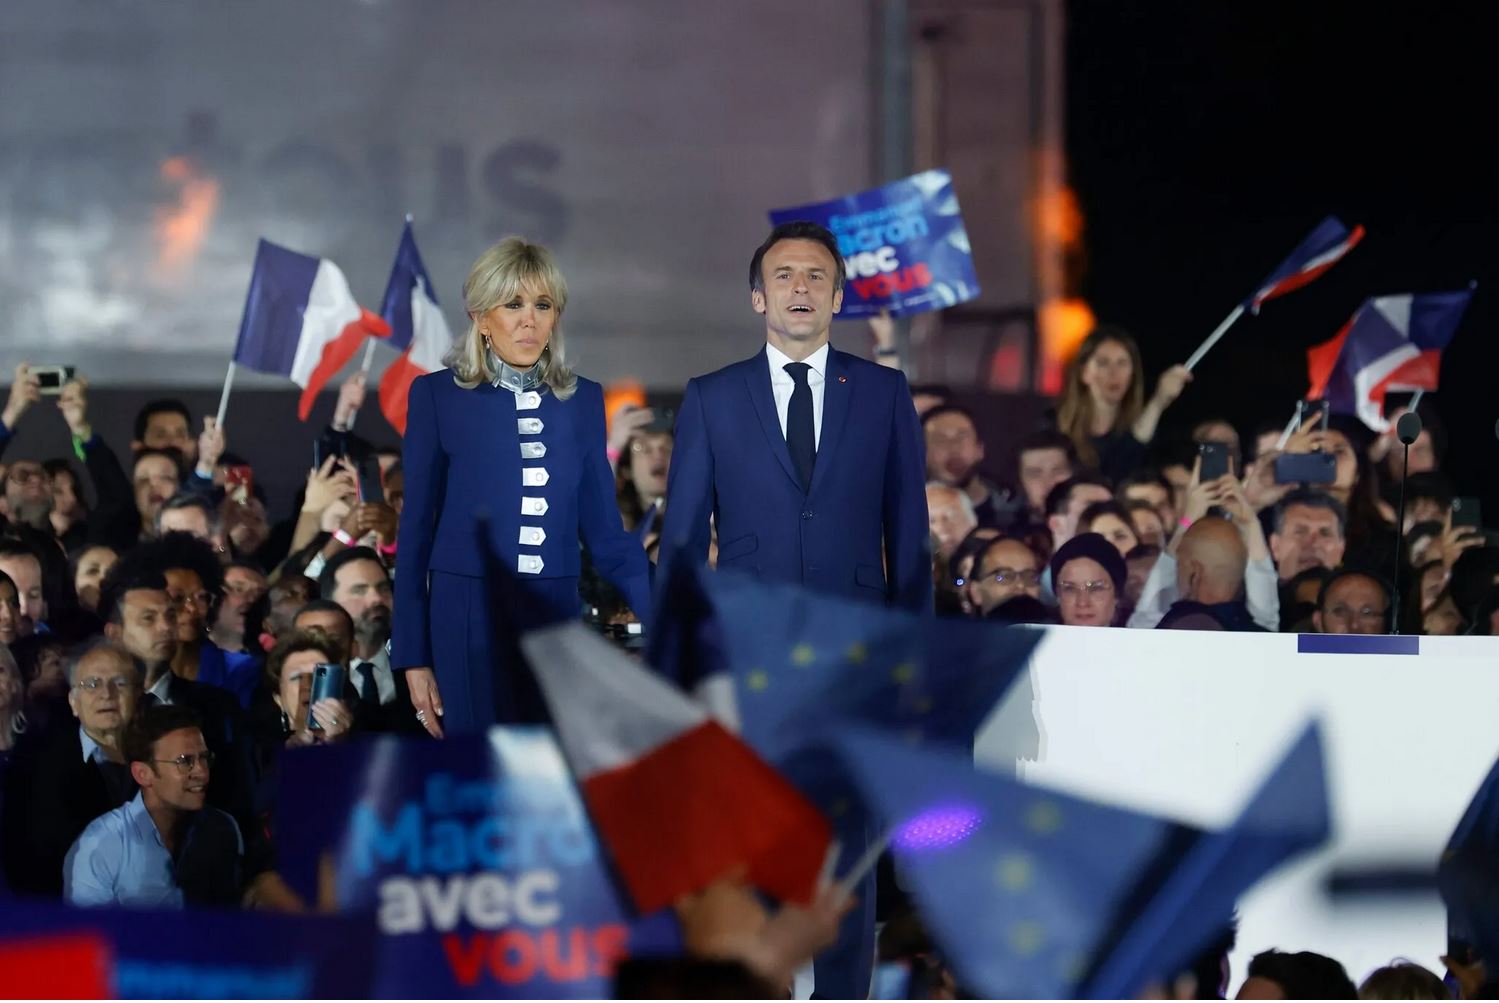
(843, 379)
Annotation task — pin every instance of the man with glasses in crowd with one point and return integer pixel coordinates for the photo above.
(1352, 602)
(1005, 570)
(76, 775)
(166, 848)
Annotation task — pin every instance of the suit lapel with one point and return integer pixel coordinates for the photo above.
(757, 382)
(836, 389)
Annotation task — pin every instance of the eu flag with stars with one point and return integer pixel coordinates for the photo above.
(1468, 874)
(800, 660)
(1033, 894)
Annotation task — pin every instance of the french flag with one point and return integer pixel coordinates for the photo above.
(1322, 248)
(301, 320)
(1390, 343)
(678, 800)
(418, 329)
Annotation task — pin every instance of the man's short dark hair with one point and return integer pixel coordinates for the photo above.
(1058, 498)
(799, 229)
(327, 582)
(1044, 438)
(939, 410)
(192, 500)
(166, 405)
(128, 575)
(10, 546)
(150, 725)
(941, 390)
(1345, 573)
(171, 453)
(1145, 475)
(1432, 485)
(325, 606)
(1311, 498)
(1304, 976)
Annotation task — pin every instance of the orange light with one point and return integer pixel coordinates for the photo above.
(182, 228)
(619, 394)
(1064, 323)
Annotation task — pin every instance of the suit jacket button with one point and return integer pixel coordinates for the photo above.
(807, 514)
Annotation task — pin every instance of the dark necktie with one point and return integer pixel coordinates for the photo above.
(364, 683)
(801, 437)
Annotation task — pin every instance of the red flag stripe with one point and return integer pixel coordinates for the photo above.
(337, 353)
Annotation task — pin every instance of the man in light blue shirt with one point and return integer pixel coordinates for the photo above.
(165, 848)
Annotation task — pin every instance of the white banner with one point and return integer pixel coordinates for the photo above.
(1186, 724)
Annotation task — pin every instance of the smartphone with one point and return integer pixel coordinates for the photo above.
(239, 484)
(371, 487)
(51, 379)
(1215, 461)
(1466, 514)
(664, 420)
(327, 683)
(1306, 468)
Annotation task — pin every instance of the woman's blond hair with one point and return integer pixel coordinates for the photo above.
(496, 278)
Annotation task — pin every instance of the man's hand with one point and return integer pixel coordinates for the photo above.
(422, 685)
(724, 920)
(1259, 482)
(794, 936)
(378, 518)
(350, 400)
(1246, 520)
(211, 445)
(882, 327)
(73, 403)
(25, 391)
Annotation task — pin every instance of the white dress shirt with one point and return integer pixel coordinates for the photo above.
(379, 668)
(1261, 593)
(781, 385)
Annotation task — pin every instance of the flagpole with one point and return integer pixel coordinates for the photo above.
(369, 356)
(224, 397)
(1291, 426)
(1213, 338)
(846, 884)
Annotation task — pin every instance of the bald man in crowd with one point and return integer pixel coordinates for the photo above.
(1218, 571)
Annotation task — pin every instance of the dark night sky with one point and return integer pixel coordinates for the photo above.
(1206, 138)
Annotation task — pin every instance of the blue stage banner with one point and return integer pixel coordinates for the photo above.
(475, 855)
(211, 954)
(903, 245)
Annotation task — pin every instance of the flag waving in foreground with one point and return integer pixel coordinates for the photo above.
(418, 329)
(1322, 248)
(1034, 894)
(677, 799)
(301, 321)
(1390, 343)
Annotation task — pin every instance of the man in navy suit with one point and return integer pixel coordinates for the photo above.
(808, 458)
(810, 461)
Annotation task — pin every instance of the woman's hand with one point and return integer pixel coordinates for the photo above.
(331, 482)
(1170, 386)
(627, 422)
(424, 697)
(334, 717)
(1260, 486)
(73, 403)
(350, 400)
(24, 392)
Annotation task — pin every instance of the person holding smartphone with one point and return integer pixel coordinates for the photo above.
(306, 672)
(511, 431)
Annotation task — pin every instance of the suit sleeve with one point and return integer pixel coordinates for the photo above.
(689, 486)
(618, 555)
(426, 469)
(115, 521)
(908, 558)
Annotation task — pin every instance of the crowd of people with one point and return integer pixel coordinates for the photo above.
(160, 629)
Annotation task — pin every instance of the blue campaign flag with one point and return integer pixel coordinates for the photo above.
(1033, 894)
(212, 954)
(904, 245)
(477, 858)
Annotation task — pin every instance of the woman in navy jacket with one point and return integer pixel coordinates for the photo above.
(509, 433)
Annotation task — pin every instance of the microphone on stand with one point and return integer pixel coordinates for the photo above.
(1407, 430)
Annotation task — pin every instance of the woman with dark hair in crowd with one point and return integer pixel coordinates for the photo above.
(510, 430)
(1109, 520)
(10, 610)
(640, 480)
(1103, 408)
(1088, 575)
(69, 512)
(88, 565)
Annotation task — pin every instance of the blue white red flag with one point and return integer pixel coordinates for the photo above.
(301, 320)
(1390, 343)
(1322, 248)
(418, 329)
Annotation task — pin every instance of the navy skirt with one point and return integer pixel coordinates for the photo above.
(480, 674)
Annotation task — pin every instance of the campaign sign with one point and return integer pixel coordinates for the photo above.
(475, 855)
(903, 244)
(204, 954)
